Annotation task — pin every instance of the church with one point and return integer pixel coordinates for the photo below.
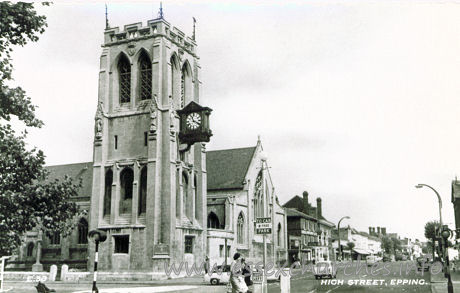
(147, 186)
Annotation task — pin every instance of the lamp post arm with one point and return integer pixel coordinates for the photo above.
(439, 200)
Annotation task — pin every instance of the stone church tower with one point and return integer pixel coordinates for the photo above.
(147, 194)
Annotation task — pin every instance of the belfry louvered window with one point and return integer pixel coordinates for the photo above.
(145, 77)
(124, 69)
(182, 89)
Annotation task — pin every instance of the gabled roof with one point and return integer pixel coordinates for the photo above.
(227, 169)
(75, 171)
(297, 203)
(294, 203)
(295, 213)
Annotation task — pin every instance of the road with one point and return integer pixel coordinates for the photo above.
(353, 278)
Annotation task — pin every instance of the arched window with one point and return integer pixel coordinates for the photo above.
(108, 192)
(30, 249)
(185, 197)
(185, 82)
(124, 70)
(258, 197)
(82, 231)
(143, 191)
(213, 221)
(174, 77)
(279, 236)
(145, 76)
(240, 228)
(126, 190)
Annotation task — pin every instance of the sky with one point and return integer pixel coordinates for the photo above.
(355, 101)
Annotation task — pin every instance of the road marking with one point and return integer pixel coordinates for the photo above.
(312, 291)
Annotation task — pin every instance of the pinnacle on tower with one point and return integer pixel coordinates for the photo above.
(160, 12)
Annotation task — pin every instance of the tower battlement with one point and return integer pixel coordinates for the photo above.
(154, 28)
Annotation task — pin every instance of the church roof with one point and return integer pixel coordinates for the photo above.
(226, 169)
(75, 171)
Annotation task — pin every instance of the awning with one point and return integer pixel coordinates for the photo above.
(361, 251)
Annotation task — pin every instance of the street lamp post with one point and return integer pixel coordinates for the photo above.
(338, 233)
(450, 288)
(263, 158)
(445, 234)
(97, 236)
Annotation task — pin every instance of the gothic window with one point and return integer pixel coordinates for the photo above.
(143, 191)
(213, 221)
(185, 82)
(279, 236)
(258, 197)
(55, 238)
(126, 190)
(30, 249)
(174, 78)
(124, 70)
(185, 197)
(240, 228)
(145, 75)
(82, 231)
(108, 192)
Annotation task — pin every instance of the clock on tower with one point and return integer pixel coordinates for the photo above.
(194, 124)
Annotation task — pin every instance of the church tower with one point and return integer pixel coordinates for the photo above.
(148, 194)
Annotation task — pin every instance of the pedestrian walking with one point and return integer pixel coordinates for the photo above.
(247, 274)
(206, 264)
(236, 275)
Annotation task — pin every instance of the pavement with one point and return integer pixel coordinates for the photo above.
(439, 282)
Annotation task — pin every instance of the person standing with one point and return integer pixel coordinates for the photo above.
(236, 278)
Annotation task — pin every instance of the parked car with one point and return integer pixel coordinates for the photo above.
(218, 276)
(324, 269)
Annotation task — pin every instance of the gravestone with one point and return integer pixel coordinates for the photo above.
(53, 273)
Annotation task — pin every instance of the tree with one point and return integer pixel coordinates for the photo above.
(430, 228)
(396, 244)
(27, 199)
(387, 244)
(430, 233)
(350, 246)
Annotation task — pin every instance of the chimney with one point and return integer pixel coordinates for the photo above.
(370, 231)
(319, 211)
(384, 231)
(305, 202)
(378, 230)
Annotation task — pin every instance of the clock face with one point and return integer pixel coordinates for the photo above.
(193, 121)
